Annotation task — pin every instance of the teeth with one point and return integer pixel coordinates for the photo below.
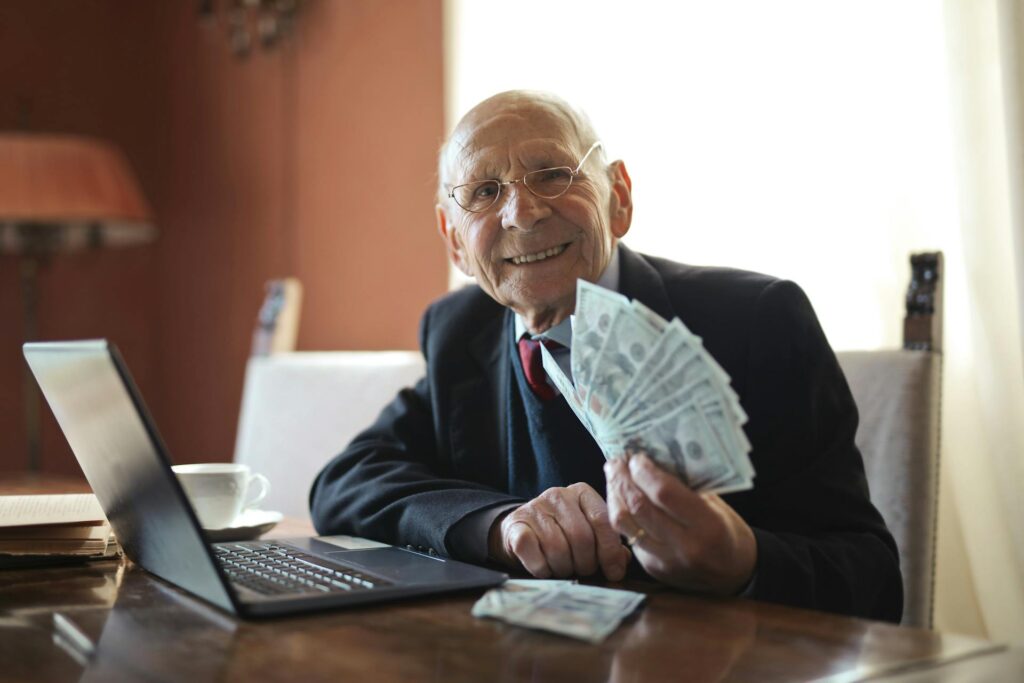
(540, 256)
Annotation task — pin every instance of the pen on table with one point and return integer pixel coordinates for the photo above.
(71, 634)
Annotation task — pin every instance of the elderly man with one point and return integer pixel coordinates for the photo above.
(482, 461)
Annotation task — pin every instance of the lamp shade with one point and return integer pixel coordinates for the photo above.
(64, 192)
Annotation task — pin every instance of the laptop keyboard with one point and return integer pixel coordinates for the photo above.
(272, 569)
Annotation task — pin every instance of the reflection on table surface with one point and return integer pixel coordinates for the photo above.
(146, 629)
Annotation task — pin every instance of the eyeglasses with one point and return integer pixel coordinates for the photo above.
(546, 183)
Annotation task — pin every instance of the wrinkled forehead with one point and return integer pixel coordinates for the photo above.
(492, 143)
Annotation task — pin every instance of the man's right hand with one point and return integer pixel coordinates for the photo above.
(562, 532)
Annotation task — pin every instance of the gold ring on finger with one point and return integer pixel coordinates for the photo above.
(637, 537)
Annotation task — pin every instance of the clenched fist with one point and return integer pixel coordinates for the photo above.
(562, 532)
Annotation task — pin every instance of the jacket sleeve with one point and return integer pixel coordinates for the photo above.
(392, 484)
(821, 542)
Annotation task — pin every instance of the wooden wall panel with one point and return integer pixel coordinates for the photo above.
(370, 121)
(280, 164)
(73, 67)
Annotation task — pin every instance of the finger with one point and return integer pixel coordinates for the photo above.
(577, 529)
(618, 512)
(670, 495)
(624, 523)
(656, 524)
(521, 543)
(610, 555)
(553, 543)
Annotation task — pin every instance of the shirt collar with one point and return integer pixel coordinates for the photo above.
(562, 332)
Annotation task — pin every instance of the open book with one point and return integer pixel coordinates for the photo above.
(43, 529)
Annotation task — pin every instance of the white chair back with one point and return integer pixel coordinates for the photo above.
(897, 395)
(301, 409)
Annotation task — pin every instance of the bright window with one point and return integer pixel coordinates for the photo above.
(802, 138)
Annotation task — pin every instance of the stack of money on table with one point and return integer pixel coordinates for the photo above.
(643, 384)
(584, 612)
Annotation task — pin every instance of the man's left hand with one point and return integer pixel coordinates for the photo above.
(686, 539)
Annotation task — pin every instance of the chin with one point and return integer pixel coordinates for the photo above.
(544, 298)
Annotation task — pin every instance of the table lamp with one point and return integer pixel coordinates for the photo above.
(62, 193)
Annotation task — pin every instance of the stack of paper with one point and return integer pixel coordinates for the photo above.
(34, 529)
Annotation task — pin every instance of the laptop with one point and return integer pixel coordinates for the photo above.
(115, 440)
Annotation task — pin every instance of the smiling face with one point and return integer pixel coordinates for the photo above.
(524, 251)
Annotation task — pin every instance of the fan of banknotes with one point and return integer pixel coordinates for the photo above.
(587, 613)
(643, 384)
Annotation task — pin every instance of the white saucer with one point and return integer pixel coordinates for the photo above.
(247, 526)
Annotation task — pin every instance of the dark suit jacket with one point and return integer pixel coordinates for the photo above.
(438, 452)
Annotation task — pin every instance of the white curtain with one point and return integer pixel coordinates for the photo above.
(983, 389)
(822, 141)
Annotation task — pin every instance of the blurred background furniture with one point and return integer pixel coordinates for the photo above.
(277, 325)
(898, 396)
(62, 193)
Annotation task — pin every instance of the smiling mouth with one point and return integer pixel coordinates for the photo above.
(539, 256)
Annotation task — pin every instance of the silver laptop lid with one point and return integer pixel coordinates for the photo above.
(116, 443)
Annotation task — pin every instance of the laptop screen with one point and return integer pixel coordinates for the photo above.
(118, 448)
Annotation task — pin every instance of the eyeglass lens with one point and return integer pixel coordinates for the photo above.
(547, 183)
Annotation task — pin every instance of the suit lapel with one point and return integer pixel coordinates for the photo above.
(639, 280)
(479, 438)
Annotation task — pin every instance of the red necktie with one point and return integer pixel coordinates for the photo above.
(533, 366)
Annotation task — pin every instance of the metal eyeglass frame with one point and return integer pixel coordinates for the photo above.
(502, 183)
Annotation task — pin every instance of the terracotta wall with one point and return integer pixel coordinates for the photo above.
(314, 160)
(71, 67)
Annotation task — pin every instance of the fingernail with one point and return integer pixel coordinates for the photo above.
(635, 464)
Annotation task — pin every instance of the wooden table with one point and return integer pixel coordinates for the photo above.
(145, 629)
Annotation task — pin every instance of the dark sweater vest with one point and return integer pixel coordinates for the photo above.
(547, 444)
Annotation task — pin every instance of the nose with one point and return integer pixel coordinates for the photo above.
(521, 209)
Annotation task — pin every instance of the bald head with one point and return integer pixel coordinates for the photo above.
(511, 104)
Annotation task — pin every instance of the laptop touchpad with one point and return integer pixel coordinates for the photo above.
(349, 543)
(403, 566)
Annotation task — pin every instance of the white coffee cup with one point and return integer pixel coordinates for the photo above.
(219, 491)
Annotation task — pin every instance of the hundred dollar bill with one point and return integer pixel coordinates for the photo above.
(682, 355)
(676, 387)
(641, 383)
(663, 404)
(587, 613)
(735, 441)
(628, 345)
(513, 594)
(705, 422)
(685, 444)
(576, 612)
(652, 317)
(672, 347)
(596, 309)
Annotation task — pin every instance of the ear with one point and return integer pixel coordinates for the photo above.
(620, 203)
(451, 240)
